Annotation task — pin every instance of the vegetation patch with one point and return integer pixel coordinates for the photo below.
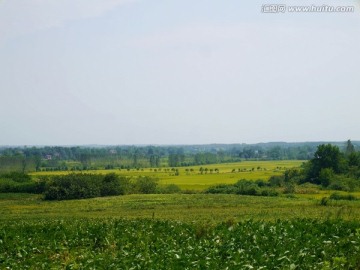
(82, 186)
(244, 187)
(150, 244)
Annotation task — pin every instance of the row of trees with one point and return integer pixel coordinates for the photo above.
(36, 158)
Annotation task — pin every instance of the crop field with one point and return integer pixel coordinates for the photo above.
(178, 231)
(149, 244)
(190, 178)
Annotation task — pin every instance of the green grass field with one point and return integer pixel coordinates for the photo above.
(180, 207)
(193, 180)
(183, 231)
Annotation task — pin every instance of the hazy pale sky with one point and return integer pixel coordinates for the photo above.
(176, 72)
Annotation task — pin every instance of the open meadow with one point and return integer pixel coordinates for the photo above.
(213, 208)
(191, 178)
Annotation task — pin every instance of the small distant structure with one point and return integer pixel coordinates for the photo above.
(48, 157)
(113, 151)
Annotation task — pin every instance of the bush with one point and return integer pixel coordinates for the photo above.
(289, 188)
(74, 186)
(341, 182)
(19, 183)
(277, 180)
(81, 186)
(16, 177)
(7, 185)
(146, 185)
(246, 187)
(262, 183)
(294, 175)
(29, 187)
(243, 187)
(113, 185)
(338, 185)
(269, 192)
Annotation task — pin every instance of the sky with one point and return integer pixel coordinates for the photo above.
(114, 72)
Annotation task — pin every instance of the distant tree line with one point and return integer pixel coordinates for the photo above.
(329, 167)
(25, 159)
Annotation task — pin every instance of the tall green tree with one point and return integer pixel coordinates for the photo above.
(349, 148)
(354, 159)
(327, 156)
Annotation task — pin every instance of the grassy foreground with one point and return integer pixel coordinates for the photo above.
(212, 208)
(178, 231)
(149, 244)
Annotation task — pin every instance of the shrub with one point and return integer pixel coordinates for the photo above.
(289, 188)
(113, 184)
(16, 177)
(7, 185)
(269, 192)
(81, 186)
(146, 185)
(294, 175)
(246, 187)
(341, 182)
(243, 187)
(277, 180)
(19, 183)
(338, 185)
(262, 183)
